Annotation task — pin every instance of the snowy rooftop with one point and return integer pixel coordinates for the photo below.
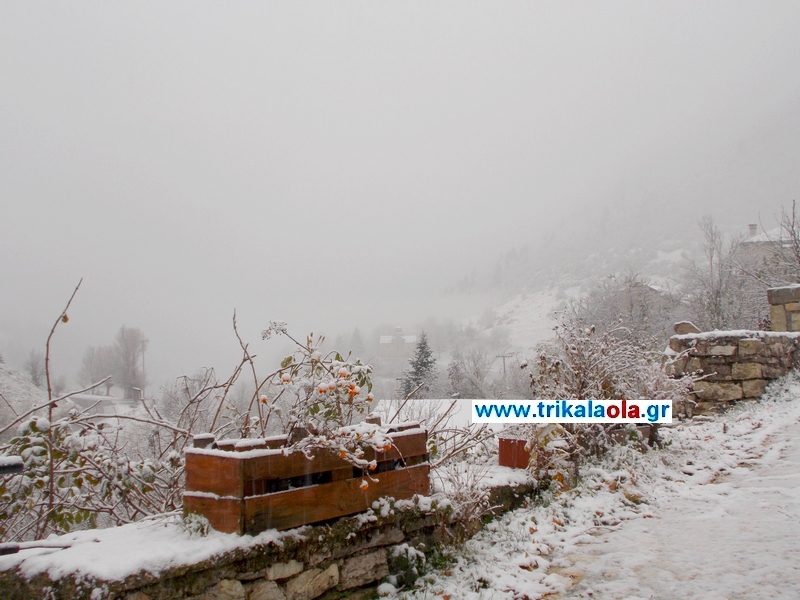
(407, 339)
(767, 237)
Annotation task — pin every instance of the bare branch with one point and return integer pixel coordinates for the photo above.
(141, 420)
(50, 403)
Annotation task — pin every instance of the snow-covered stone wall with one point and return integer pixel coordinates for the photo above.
(163, 560)
(732, 365)
(784, 308)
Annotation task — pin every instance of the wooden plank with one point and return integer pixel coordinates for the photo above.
(342, 474)
(403, 426)
(406, 446)
(244, 445)
(294, 508)
(220, 475)
(512, 453)
(296, 464)
(270, 443)
(224, 514)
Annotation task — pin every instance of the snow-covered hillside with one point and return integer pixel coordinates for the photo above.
(18, 394)
(536, 293)
(527, 318)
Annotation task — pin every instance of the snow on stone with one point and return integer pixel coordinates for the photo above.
(112, 554)
(712, 335)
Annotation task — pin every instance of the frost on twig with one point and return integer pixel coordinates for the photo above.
(275, 327)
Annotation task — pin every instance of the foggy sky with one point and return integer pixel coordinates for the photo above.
(340, 164)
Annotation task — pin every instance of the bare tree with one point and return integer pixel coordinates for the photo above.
(720, 292)
(59, 385)
(129, 347)
(646, 312)
(98, 363)
(777, 262)
(468, 371)
(34, 366)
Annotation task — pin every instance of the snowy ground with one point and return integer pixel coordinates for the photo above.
(715, 515)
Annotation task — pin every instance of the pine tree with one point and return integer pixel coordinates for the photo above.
(422, 368)
(357, 344)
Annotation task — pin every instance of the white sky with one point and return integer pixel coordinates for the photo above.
(335, 164)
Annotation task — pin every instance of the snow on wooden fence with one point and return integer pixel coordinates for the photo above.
(249, 486)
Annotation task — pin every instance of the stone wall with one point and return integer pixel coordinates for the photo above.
(346, 558)
(732, 365)
(784, 308)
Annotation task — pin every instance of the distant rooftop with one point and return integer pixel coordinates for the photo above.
(407, 339)
(773, 235)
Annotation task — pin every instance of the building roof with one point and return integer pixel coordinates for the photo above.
(771, 236)
(407, 339)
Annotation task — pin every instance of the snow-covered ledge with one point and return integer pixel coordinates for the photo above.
(164, 559)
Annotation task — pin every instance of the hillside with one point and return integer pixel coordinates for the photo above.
(17, 395)
(18, 392)
(532, 288)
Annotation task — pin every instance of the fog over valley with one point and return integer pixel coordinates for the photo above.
(366, 166)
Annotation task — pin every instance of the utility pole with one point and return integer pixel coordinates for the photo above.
(504, 357)
(144, 373)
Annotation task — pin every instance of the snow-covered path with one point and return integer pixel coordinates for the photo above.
(714, 515)
(736, 538)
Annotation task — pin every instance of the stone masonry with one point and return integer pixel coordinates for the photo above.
(348, 558)
(732, 365)
(784, 308)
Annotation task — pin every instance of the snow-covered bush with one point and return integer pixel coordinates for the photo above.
(582, 363)
(461, 482)
(94, 480)
(84, 470)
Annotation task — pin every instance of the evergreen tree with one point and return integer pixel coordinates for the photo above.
(422, 369)
(357, 344)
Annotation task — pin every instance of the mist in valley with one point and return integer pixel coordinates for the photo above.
(458, 168)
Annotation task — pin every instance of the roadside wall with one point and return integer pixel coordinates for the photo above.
(732, 365)
(349, 558)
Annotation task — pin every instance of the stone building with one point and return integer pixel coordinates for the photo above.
(397, 347)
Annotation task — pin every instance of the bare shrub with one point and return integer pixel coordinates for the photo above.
(584, 363)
